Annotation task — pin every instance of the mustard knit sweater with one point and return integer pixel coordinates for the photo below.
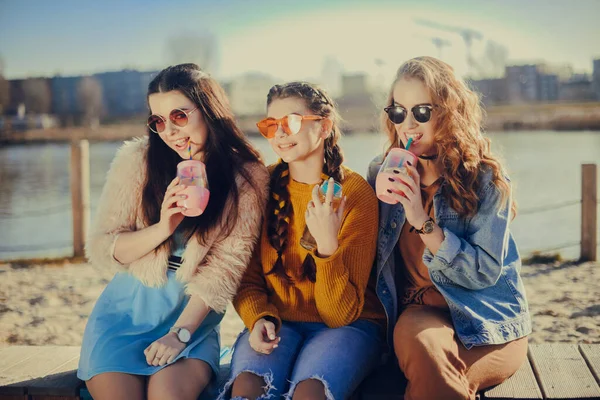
(340, 295)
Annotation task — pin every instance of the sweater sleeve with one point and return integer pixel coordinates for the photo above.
(252, 300)
(219, 274)
(118, 204)
(342, 277)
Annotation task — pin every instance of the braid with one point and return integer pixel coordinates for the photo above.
(279, 211)
(334, 157)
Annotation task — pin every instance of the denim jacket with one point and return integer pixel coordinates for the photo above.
(476, 268)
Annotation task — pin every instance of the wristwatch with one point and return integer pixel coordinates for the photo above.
(426, 228)
(183, 334)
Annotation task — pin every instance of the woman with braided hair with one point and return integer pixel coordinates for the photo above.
(314, 324)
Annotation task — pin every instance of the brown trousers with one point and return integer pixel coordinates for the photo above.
(436, 363)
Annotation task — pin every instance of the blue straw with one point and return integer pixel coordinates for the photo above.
(409, 143)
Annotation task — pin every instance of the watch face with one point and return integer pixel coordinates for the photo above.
(184, 335)
(428, 227)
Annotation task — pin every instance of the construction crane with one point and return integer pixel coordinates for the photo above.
(468, 35)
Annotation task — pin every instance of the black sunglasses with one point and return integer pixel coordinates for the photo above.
(397, 114)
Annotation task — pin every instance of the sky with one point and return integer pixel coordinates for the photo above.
(287, 39)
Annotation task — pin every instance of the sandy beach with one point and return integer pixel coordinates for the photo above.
(49, 304)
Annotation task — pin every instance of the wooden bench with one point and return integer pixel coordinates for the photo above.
(554, 371)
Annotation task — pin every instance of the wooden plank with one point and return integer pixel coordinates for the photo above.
(562, 372)
(62, 381)
(591, 355)
(522, 385)
(45, 360)
(12, 355)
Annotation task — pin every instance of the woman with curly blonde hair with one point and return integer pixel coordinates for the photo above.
(447, 266)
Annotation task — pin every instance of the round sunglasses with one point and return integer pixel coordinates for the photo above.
(421, 113)
(290, 124)
(157, 123)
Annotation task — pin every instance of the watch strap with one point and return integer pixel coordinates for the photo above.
(422, 230)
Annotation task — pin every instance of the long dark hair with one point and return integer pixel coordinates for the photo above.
(226, 150)
(279, 208)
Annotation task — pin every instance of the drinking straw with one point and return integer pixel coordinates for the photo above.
(190, 147)
(409, 143)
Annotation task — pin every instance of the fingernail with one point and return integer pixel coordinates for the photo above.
(389, 191)
(396, 171)
(409, 163)
(391, 180)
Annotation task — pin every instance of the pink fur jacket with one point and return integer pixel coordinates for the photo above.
(212, 271)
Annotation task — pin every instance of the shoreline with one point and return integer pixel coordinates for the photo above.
(531, 117)
(49, 304)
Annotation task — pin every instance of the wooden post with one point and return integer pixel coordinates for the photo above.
(589, 220)
(80, 193)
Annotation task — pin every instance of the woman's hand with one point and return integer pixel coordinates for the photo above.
(170, 214)
(323, 221)
(263, 338)
(164, 350)
(407, 191)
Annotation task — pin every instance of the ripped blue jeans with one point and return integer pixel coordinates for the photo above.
(338, 357)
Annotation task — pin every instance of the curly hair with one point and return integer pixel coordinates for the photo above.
(463, 151)
(279, 208)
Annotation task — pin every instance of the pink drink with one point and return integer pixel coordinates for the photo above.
(192, 173)
(197, 199)
(393, 167)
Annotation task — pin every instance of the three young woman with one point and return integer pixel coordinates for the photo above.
(445, 290)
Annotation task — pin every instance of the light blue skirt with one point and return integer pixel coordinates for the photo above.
(129, 316)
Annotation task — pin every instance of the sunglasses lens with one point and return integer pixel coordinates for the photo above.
(396, 114)
(294, 123)
(156, 123)
(422, 114)
(179, 118)
(267, 127)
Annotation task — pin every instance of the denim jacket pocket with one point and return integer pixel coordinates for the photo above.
(516, 293)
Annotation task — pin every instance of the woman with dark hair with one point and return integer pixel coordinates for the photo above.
(154, 330)
(304, 305)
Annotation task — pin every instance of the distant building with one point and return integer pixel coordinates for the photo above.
(124, 92)
(358, 104)
(596, 79)
(578, 88)
(548, 90)
(492, 91)
(17, 96)
(355, 85)
(248, 93)
(31, 96)
(64, 95)
(522, 83)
